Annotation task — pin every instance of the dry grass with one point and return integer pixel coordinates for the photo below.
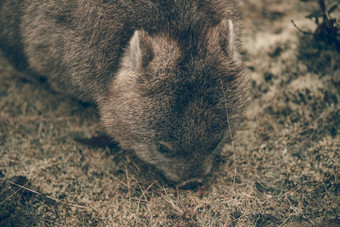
(286, 148)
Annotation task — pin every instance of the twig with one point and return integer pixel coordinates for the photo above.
(12, 193)
(323, 9)
(128, 183)
(49, 197)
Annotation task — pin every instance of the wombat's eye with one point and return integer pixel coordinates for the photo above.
(163, 148)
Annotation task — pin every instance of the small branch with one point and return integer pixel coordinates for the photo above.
(323, 9)
(49, 197)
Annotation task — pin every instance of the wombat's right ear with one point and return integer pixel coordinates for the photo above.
(224, 33)
(139, 51)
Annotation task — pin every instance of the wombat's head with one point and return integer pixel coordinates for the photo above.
(170, 99)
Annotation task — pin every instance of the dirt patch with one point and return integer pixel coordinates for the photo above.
(287, 147)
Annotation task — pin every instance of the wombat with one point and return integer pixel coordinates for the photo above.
(165, 75)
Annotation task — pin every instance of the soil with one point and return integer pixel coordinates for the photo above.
(282, 168)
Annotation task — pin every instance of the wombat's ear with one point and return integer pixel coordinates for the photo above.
(227, 37)
(139, 51)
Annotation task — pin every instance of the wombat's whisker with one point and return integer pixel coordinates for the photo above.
(230, 134)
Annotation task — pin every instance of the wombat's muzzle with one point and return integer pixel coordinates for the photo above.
(190, 184)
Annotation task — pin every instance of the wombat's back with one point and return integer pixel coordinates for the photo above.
(86, 39)
(10, 36)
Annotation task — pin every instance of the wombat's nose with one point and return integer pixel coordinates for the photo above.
(190, 184)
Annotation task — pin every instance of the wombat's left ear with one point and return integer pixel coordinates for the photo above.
(139, 51)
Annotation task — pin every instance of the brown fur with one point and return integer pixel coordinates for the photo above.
(155, 69)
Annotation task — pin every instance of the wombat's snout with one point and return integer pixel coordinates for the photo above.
(195, 181)
(190, 184)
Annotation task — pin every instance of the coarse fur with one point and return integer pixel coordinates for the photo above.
(154, 68)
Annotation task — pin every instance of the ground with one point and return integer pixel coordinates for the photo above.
(282, 168)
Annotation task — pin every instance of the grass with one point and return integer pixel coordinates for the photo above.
(286, 147)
